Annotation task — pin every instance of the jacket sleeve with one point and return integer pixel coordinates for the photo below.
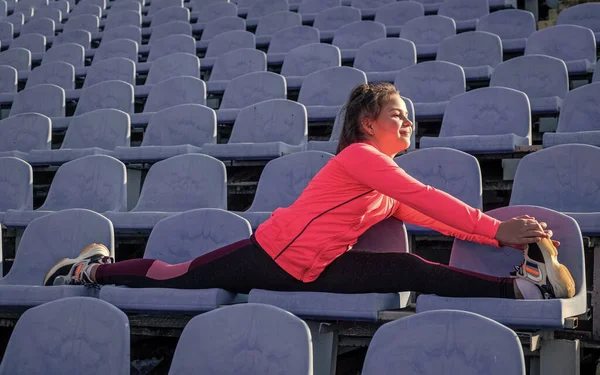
(370, 167)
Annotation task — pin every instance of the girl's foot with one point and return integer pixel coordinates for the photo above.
(77, 271)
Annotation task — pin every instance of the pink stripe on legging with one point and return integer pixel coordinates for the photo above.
(163, 271)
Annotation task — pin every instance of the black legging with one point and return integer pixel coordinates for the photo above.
(243, 266)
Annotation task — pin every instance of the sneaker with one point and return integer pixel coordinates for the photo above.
(542, 268)
(75, 271)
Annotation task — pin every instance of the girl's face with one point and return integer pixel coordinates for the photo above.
(392, 129)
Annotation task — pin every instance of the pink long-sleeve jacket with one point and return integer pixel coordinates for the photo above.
(358, 188)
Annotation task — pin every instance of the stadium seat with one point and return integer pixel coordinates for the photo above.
(174, 185)
(123, 6)
(575, 45)
(286, 40)
(308, 9)
(123, 18)
(249, 89)
(331, 19)
(18, 58)
(71, 53)
(244, 6)
(465, 13)
(437, 342)
(213, 11)
(226, 42)
(349, 38)
(170, 14)
(16, 184)
(477, 52)
(204, 5)
(44, 26)
(172, 44)
(6, 31)
(80, 37)
(35, 43)
(86, 10)
(17, 20)
(45, 241)
(382, 59)
(272, 23)
(261, 8)
(281, 183)
(165, 30)
(325, 91)
(396, 14)
(8, 83)
(544, 79)
(249, 338)
(125, 48)
(57, 73)
(22, 133)
(87, 22)
(178, 239)
(368, 8)
(308, 59)
(430, 6)
(495, 261)
(177, 130)
(485, 120)
(513, 26)
(454, 172)
(49, 12)
(586, 15)
(234, 64)
(167, 67)
(64, 336)
(45, 99)
(427, 33)
(62, 5)
(93, 133)
(123, 32)
(219, 26)
(112, 69)
(158, 5)
(562, 178)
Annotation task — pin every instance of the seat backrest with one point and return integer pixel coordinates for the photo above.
(6, 30)
(230, 41)
(125, 5)
(174, 65)
(16, 183)
(112, 69)
(538, 76)
(508, 23)
(123, 18)
(159, 5)
(310, 58)
(95, 328)
(125, 48)
(45, 99)
(261, 8)
(123, 32)
(276, 120)
(398, 13)
(580, 109)
(464, 9)
(184, 182)
(488, 111)
(48, 12)
(452, 171)
(205, 4)
(428, 29)
(25, 132)
(332, 19)
(330, 86)
(253, 88)
(586, 15)
(107, 94)
(222, 25)
(385, 55)
(285, 40)
(175, 91)
(81, 37)
(87, 22)
(435, 342)
(105, 128)
(183, 124)
(62, 5)
(473, 48)
(71, 53)
(18, 58)
(431, 81)
(170, 28)
(272, 23)
(236, 63)
(283, 179)
(36, 43)
(55, 236)
(172, 44)
(44, 26)
(317, 6)
(86, 10)
(8, 79)
(58, 73)
(560, 178)
(255, 337)
(187, 235)
(566, 42)
(170, 14)
(216, 11)
(354, 35)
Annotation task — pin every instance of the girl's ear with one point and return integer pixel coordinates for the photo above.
(366, 126)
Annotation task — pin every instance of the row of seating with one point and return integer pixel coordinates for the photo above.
(253, 339)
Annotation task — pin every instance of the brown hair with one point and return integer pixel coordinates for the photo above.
(365, 100)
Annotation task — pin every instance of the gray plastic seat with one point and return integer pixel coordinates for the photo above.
(18, 58)
(123, 18)
(431, 85)
(170, 66)
(586, 15)
(86, 10)
(261, 8)
(16, 184)
(577, 122)
(57, 73)
(125, 5)
(214, 11)
(35, 43)
(17, 20)
(85, 22)
(8, 82)
(22, 133)
(308, 9)
(71, 53)
(44, 26)
(286, 40)
(177, 130)
(272, 23)
(158, 5)
(308, 59)
(170, 14)
(98, 329)
(329, 20)
(81, 37)
(45, 99)
(6, 31)
(177, 239)
(466, 13)
(227, 42)
(234, 64)
(93, 133)
(544, 79)
(351, 37)
(325, 91)
(382, 59)
(513, 26)
(106, 94)
(113, 69)
(477, 52)
(203, 5)
(168, 29)
(485, 120)
(252, 338)
(247, 90)
(123, 32)
(427, 33)
(495, 261)
(96, 182)
(174, 185)
(62, 5)
(172, 44)
(124, 48)
(48, 12)
(263, 131)
(368, 8)
(446, 335)
(396, 14)
(218, 27)
(281, 183)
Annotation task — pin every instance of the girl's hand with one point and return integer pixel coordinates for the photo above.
(522, 246)
(520, 231)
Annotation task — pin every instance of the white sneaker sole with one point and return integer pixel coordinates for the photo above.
(558, 275)
(88, 251)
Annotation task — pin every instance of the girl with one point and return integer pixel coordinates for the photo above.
(306, 246)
